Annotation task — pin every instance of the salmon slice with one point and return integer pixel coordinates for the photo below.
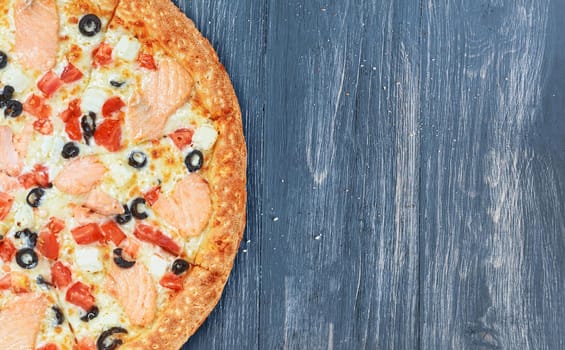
(6, 202)
(135, 290)
(188, 208)
(84, 215)
(102, 203)
(8, 183)
(37, 33)
(80, 175)
(20, 320)
(162, 92)
(22, 140)
(10, 162)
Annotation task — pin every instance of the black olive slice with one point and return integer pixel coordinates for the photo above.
(26, 258)
(120, 261)
(59, 317)
(34, 197)
(43, 282)
(90, 314)
(137, 159)
(89, 25)
(117, 84)
(30, 237)
(135, 208)
(13, 109)
(88, 125)
(3, 60)
(105, 340)
(125, 217)
(7, 93)
(70, 150)
(180, 266)
(194, 160)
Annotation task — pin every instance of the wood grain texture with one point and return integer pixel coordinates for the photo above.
(406, 174)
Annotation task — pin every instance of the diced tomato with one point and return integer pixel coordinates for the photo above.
(38, 177)
(113, 232)
(55, 225)
(43, 126)
(182, 137)
(71, 117)
(102, 55)
(152, 235)
(60, 275)
(87, 234)
(71, 74)
(171, 281)
(79, 295)
(49, 84)
(19, 282)
(7, 250)
(6, 202)
(36, 106)
(6, 281)
(109, 135)
(112, 105)
(48, 244)
(146, 61)
(86, 344)
(49, 346)
(152, 195)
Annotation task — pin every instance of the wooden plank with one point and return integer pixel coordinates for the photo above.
(237, 29)
(339, 249)
(492, 187)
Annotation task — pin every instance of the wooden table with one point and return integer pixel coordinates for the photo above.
(406, 173)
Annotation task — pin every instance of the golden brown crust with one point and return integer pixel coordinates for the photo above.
(162, 23)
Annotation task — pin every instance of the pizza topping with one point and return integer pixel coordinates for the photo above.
(34, 197)
(43, 126)
(36, 106)
(89, 25)
(21, 320)
(90, 314)
(113, 232)
(204, 137)
(117, 84)
(93, 99)
(127, 48)
(13, 109)
(38, 177)
(70, 150)
(102, 203)
(29, 237)
(27, 258)
(49, 84)
(3, 60)
(180, 266)
(112, 105)
(102, 55)
(6, 95)
(171, 281)
(79, 295)
(125, 217)
(7, 250)
(120, 261)
(48, 244)
(109, 135)
(194, 161)
(10, 161)
(137, 159)
(49, 346)
(88, 125)
(182, 138)
(71, 118)
(152, 195)
(40, 280)
(87, 234)
(71, 74)
(108, 340)
(146, 60)
(59, 316)
(136, 209)
(152, 235)
(86, 344)
(6, 202)
(61, 275)
(80, 175)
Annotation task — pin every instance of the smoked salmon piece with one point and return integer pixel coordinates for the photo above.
(102, 203)
(80, 175)
(188, 207)
(135, 290)
(162, 92)
(10, 162)
(6, 202)
(22, 139)
(37, 33)
(8, 183)
(20, 320)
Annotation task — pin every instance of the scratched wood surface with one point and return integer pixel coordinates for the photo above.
(406, 173)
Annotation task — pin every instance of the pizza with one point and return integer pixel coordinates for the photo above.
(122, 175)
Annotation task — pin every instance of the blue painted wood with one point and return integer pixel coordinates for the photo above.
(406, 174)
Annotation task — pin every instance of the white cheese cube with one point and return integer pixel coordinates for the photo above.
(127, 48)
(93, 99)
(204, 137)
(16, 78)
(157, 266)
(88, 259)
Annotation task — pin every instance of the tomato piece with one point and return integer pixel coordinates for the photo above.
(55, 225)
(171, 281)
(43, 126)
(79, 295)
(36, 106)
(182, 137)
(86, 344)
(6, 281)
(7, 250)
(49, 84)
(71, 74)
(131, 247)
(87, 234)
(49, 346)
(38, 177)
(109, 135)
(61, 275)
(152, 235)
(71, 117)
(152, 195)
(113, 232)
(48, 244)
(102, 55)
(6, 202)
(146, 61)
(112, 105)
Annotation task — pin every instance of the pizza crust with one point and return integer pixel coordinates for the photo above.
(161, 21)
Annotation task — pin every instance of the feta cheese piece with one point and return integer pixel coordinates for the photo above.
(157, 266)
(16, 78)
(88, 259)
(204, 137)
(93, 99)
(127, 48)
